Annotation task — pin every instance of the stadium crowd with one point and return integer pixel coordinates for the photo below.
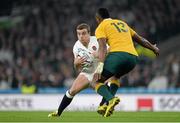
(38, 49)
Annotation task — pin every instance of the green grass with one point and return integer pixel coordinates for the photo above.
(90, 117)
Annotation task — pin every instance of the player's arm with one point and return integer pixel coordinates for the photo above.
(101, 55)
(102, 49)
(102, 41)
(101, 38)
(143, 42)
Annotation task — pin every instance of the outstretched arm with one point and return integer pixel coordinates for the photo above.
(145, 43)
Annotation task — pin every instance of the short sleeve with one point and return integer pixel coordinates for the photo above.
(132, 31)
(100, 32)
(75, 51)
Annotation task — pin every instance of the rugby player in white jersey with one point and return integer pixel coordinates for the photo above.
(85, 51)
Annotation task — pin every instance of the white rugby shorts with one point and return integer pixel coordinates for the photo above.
(89, 76)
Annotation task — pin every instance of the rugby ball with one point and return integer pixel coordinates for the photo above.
(88, 55)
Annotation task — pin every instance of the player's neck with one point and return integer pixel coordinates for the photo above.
(86, 44)
(108, 19)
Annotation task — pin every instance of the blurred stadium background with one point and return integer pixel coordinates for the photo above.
(36, 39)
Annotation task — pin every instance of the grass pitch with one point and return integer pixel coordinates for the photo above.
(12, 116)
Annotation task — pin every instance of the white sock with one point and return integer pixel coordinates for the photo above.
(68, 95)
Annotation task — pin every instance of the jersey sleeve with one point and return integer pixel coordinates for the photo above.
(95, 42)
(132, 31)
(100, 33)
(75, 51)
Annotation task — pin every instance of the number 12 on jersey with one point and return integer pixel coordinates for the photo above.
(120, 27)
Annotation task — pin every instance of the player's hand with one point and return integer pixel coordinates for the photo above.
(98, 71)
(79, 61)
(156, 50)
(96, 77)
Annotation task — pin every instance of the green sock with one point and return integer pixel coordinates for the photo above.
(113, 89)
(103, 91)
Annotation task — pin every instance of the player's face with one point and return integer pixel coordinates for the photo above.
(83, 36)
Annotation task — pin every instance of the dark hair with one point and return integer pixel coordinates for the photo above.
(83, 26)
(103, 13)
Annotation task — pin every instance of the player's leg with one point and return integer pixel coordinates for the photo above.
(80, 83)
(103, 104)
(103, 101)
(122, 64)
(109, 69)
(125, 63)
(123, 69)
(113, 85)
(101, 88)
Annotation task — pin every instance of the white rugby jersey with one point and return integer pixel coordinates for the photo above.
(80, 50)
